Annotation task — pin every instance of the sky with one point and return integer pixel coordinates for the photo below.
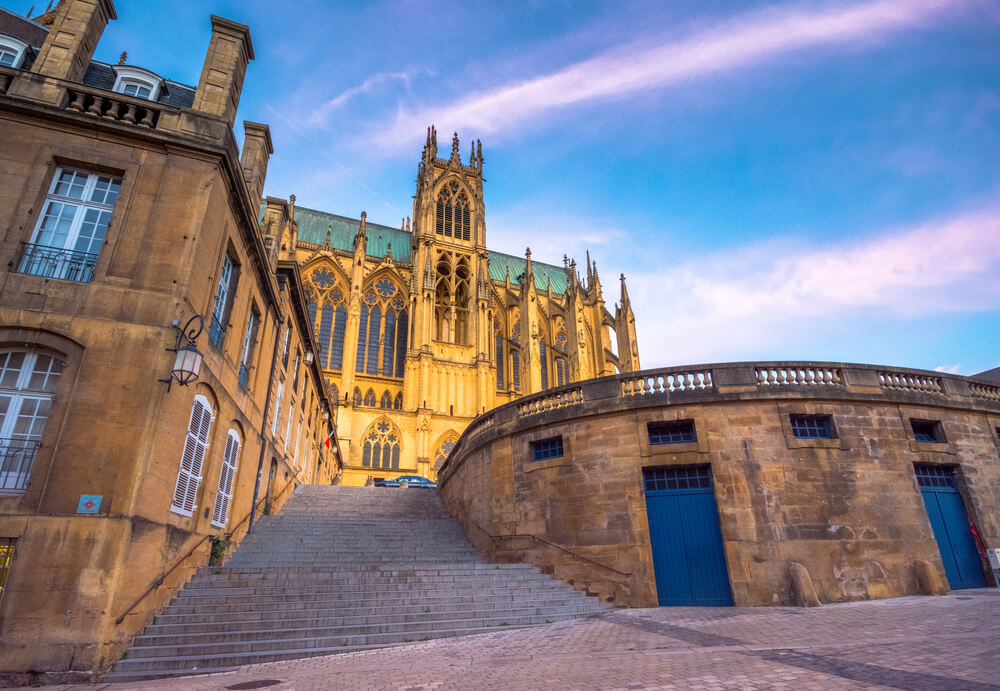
(787, 180)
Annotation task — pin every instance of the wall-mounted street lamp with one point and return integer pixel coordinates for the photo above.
(187, 358)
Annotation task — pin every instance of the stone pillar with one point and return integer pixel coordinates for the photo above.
(257, 150)
(221, 81)
(73, 38)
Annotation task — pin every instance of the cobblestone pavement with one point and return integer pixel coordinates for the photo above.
(913, 643)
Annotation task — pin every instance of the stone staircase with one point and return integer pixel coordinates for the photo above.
(343, 569)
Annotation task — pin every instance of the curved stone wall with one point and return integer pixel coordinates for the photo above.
(847, 509)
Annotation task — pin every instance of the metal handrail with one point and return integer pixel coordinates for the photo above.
(159, 581)
(17, 456)
(550, 544)
(56, 262)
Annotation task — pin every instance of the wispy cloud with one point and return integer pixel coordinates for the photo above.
(731, 304)
(321, 114)
(745, 41)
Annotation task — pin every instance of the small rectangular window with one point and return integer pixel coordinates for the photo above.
(674, 432)
(249, 342)
(812, 426)
(224, 291)
(929, 475)
(545, 449)
(6, 558)
(927, 430)
(671, 478)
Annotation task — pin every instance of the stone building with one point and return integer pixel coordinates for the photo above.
(740, 483)
(421, 329)
(128, 220)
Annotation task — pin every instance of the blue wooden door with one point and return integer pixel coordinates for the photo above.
(684, 534)
(951, 527)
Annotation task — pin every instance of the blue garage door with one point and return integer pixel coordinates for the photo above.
(685, 537)
(951, 526)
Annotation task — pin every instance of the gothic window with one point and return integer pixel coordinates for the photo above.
(543, 363)
(561, 339)
(499, 353)
(28, 382)
(386, 401)
(382, 331)
(370, 398)
(328, 310)
(515, 369)
(357, 396)
(562, 373)
(452, 217)
(381, 446)
(443, 449)
(453, 299)
(397, 403)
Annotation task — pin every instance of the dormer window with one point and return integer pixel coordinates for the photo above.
(12, 51)
(137, 82)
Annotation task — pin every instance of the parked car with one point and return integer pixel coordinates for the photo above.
(410, 480)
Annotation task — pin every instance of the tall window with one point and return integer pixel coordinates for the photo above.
(382, 331)
(328, 309)
(370, 398)
(562, 371)
(224, 497)
(381, 448)
(295, 374)
(226, 287)
(356, 398)
(515, 369)
(193, 457)
(452, 299)
(452, 213)
(71, 227)
(277, 407)
(543, 363)
(28, 382)
(249, 342)
(288, 340)
(386, 401)
(499, 354)
(397, 403)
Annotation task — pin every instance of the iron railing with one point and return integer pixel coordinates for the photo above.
(216, 332)
(56, 262)
(16, 458)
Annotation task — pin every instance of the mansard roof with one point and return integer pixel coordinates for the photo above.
(101, 75)
(314, 225)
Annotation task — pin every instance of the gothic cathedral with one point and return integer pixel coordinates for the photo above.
(419, 330)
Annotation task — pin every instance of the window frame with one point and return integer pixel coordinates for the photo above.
(803, 422)
(937, 435)
(8, 548)
(15, 46)
(249, 346)
(225, 288)
(18, 394)
(127, 75)
(669, 428)
(547, 449)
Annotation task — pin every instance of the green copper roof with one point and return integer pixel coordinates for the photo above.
(314, 225)
(500, 263)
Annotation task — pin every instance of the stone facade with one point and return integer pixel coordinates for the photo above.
(121, 218)
(841, 516)
(422, 328)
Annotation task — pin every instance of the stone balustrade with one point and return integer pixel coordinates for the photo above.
(910, 381)
(133, 111)
(661, 382)
(550, 401)
(780, 376)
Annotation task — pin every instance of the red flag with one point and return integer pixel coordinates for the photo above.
(980, 545)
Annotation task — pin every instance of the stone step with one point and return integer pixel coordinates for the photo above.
(260, 586)
(418, 613)
(213, 572)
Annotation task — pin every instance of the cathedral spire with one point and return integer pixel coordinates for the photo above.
(529, 275)
(361, 237)
(624, 298)
(455, 158)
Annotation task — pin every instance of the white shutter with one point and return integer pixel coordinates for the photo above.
(220, 515)
(193, 457)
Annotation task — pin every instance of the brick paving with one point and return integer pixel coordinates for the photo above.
(914, 643)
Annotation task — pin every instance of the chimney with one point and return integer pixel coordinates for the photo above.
(76, 28)
(221, 81)
(257, 149)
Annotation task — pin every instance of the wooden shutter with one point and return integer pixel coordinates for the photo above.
(220, 514)
(193, 458)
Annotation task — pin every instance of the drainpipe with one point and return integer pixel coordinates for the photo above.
(263, 422)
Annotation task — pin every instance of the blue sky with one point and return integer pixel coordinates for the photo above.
(777, 180)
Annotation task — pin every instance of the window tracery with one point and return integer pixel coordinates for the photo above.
(453, 299)
(443, 449)
(498, 354)
(382, 446)
(386, 400)
(452, 218)
(370, 398)
(382, 330)
(328, 311)
(357, 399)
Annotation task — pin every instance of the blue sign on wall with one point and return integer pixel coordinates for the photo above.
(89, 503)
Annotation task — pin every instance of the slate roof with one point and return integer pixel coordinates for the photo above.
(991, 375)
(101, 75)
(314, 225)
(23, 28)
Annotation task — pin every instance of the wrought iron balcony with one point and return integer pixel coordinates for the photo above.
(56, 262)
(16, 458)
(216, 332)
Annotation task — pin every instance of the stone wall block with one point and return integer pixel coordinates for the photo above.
(803, 591)
(928, 579)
